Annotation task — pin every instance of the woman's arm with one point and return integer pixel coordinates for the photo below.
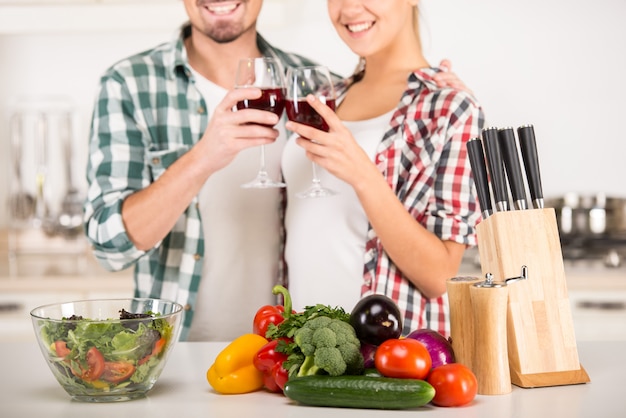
(425, 259)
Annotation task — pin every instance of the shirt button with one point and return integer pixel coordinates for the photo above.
(197, 205)
(382, 159)
(367, 282)
(201, 110)
(156, 160)
(187, 307)
(197, 257)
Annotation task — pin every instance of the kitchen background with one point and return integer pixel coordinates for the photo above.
(557, 64)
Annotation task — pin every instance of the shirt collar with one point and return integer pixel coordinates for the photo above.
(424, 76)
(178, 60)
(420, 77)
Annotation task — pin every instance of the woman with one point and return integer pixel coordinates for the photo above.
(405, 209)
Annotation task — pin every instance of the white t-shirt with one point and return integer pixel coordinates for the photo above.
(241, 239)
(326, 236)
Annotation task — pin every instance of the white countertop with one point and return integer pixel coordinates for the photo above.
(28, 389)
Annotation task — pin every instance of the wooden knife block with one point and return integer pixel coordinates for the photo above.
(540, 333)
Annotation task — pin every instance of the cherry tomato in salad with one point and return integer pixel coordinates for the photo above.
(117, 371)
(158, 346)
(403, 358)
(60, 347)
(95, 366)
(454, 384)
(156, 350)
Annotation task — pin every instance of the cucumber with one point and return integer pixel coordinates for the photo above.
(359, 392)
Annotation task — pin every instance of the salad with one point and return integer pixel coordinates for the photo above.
(107, 355)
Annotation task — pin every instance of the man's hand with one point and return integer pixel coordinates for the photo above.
(447, 78)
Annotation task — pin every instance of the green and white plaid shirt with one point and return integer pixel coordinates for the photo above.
(147, 114)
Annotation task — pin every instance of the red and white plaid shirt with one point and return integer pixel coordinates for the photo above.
(424, 159)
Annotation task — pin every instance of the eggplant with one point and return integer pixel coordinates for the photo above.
(376, 318)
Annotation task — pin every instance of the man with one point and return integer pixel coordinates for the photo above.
(167, 158)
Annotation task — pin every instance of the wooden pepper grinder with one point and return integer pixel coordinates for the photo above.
(461, 318)
(490, 361)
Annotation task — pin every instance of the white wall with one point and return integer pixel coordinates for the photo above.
(557, 64)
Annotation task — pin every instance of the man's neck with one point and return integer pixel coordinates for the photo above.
(218, 62)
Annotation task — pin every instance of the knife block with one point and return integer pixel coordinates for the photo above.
(541, 343)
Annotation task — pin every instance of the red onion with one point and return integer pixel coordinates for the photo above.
(438, 346)
(368, 351)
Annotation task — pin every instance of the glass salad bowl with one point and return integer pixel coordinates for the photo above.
(110, 349)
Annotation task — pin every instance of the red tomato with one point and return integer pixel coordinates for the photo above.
(454, 384)
(403, 358)
(95, 366)
(117, 371)
(61, 348)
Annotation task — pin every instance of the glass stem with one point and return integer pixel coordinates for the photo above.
(262, 170)
(316, 180)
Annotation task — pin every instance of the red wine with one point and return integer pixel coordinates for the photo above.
(301, 111)
(271, 100)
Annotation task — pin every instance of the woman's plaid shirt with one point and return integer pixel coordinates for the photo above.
(424, 159)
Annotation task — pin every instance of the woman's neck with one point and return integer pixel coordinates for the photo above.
(386, 70)
(401, 58)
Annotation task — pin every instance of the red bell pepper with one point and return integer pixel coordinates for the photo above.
(270, 362)
(270, 314)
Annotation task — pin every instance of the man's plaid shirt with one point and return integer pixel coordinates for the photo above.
(147, 114)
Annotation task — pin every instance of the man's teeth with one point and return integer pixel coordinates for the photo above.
(220, 9)
(359, 27)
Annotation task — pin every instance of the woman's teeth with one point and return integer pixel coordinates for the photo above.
(360, 27)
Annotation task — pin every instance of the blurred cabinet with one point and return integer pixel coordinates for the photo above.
(28, 280)
(599, 315)
(19, 296)
(54, 16)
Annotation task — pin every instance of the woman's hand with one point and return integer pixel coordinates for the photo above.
(336, 150)
(423, 258)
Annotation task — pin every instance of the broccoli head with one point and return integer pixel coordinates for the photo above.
(330, 346)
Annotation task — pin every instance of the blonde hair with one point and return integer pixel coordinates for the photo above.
(416, 24)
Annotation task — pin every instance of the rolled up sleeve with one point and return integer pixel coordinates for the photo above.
(116, 169)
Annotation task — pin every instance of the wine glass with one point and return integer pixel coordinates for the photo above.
(302, 81)
(266, 74)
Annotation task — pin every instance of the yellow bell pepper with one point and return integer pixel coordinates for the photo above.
(233, 370)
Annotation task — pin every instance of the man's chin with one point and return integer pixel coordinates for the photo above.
(224, 36)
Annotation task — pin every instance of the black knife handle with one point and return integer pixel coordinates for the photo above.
(528, 147)
(496, 168)
(513, 168)
(479, 171)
